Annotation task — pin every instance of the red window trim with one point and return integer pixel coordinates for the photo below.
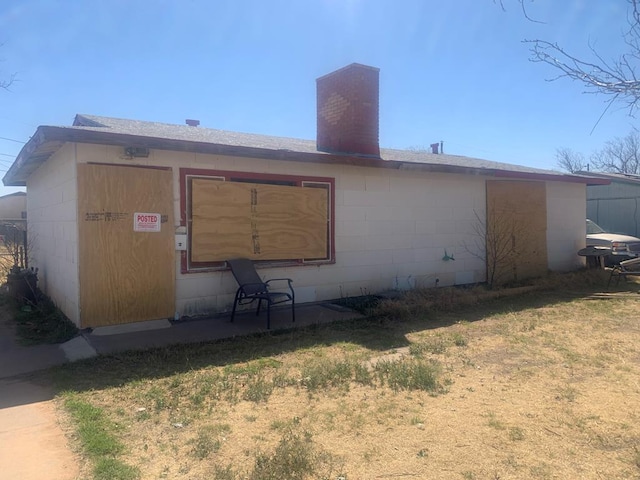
(185, 173)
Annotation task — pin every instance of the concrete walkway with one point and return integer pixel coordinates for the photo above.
(16, 359)
(32, 443)
(33, 446)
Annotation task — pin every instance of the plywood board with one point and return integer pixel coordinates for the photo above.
(125, 276)
(516, 229)
(257, 221)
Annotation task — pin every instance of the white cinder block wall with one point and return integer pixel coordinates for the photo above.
(566, 225)
(53, 229)
(392, 228)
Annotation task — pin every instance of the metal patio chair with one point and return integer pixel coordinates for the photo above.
(252, 288)
(626, 268)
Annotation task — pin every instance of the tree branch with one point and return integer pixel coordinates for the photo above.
(523, 7)
(569, 160)
(6, 84)
(620, 155)
(617, 79)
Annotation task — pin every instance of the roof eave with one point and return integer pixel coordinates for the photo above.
(15, 176)
(617, 178)
(558, 177)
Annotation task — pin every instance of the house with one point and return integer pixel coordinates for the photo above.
(616, 206)
(13, 208)
(13, 219)
(133, 220)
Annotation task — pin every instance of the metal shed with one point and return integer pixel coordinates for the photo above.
(615, 207)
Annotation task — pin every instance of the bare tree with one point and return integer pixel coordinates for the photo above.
(615, 78)
(620, 155)
(494, 242)
(570, 161)
(6, 83)
(14, 248)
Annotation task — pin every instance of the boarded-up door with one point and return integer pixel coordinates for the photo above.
(516, 235)
(127, 274)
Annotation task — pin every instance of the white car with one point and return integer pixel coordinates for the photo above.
(623, 247)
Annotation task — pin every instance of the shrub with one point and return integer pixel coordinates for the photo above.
(42, 323)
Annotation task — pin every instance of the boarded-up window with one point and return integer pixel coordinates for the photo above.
(516, 230)
(286, 219)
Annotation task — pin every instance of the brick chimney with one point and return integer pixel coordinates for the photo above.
(348, 110)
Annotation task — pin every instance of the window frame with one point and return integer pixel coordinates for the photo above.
(186, 174)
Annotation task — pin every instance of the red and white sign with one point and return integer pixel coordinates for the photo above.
(146, 222)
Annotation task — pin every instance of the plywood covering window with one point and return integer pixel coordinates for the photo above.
(270, 218)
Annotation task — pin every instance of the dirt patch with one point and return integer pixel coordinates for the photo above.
(545, 386)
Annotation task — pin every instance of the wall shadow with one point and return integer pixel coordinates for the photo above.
(375, 333)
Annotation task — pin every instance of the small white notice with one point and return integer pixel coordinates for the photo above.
(146, 222)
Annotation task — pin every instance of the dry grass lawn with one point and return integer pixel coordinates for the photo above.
(541, 386)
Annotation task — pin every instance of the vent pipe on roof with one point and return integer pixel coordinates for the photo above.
(434, 147)
(192, 123)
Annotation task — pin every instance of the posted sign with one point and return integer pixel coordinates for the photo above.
(146, 222)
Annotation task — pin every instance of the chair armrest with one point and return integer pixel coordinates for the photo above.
(288, 280)
(630, 263)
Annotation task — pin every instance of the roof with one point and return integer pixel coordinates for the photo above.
(631, 178)
(134, 133)
(14, 194)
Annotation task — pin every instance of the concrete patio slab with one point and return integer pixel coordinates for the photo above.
(217, 328)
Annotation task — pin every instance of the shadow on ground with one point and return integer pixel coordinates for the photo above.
(375, 333)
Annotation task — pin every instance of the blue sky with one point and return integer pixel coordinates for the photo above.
(455, 71)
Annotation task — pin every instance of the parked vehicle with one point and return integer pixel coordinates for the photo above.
(623, 247)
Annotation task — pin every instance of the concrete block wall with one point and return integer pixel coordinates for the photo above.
(398, 226)
(392, 228)
(566, 226)
(53, 230)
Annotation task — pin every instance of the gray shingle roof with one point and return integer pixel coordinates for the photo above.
(223, 137)
(135, 133)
